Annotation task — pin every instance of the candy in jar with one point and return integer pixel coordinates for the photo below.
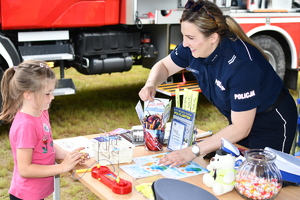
(258, 177)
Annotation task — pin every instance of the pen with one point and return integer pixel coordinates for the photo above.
(200, 135)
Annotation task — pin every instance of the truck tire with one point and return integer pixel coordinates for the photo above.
(274, 51)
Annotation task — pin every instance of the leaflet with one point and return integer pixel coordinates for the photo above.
(147, 166)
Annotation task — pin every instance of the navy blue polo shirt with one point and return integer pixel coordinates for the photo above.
(235, 76)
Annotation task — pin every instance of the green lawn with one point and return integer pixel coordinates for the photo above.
(102, 102)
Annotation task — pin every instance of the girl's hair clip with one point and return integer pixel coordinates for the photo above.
(15, 68)
(44, 65)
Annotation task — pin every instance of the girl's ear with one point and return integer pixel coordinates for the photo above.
(28, 95)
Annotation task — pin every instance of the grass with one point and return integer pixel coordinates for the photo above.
(102, 102)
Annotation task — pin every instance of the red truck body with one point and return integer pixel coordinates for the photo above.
(37, 14)
(107, 36)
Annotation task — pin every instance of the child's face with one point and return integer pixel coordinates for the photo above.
(46, 95)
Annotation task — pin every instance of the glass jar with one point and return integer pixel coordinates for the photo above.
(258, 177)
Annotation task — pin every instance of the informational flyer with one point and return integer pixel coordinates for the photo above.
(188, 119)
(70, 144)
(176, 135)
(147, 166)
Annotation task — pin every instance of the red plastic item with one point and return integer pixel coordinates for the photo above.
(107, 177)
(152, 143)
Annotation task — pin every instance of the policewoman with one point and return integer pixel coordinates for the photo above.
(235, 76)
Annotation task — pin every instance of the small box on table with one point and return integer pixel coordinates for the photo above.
(112, 150)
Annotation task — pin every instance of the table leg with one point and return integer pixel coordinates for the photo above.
(56, 193)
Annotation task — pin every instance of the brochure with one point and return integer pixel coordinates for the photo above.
(186, 119)
(176, 138)
(70, 144)
(147, 166)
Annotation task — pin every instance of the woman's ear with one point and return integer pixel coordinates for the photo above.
(214, 38)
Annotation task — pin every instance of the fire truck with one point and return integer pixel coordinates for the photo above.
(107, 36)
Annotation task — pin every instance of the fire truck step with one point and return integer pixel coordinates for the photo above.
(65, 87)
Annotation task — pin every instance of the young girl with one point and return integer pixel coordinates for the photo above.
(27, 92)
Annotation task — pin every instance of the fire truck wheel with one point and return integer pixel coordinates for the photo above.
(274, 51)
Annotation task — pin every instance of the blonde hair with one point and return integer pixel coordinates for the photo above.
(28, 76)
(210, 19)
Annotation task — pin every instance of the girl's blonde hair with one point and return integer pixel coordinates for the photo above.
(28, 76)
(210, 19)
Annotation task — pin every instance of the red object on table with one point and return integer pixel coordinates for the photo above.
(107, 177)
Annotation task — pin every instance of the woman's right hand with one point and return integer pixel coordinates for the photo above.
(158, 74)
(147, 93)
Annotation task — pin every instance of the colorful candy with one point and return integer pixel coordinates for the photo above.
(254, 187)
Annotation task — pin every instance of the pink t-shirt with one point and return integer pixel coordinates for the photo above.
(32, 132)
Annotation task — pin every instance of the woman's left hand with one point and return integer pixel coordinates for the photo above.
(177, 157)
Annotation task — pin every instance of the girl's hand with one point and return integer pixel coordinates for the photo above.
(72, 159)
(85, 157)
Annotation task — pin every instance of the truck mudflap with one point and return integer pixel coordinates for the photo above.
(169, 88)
(8, 52)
